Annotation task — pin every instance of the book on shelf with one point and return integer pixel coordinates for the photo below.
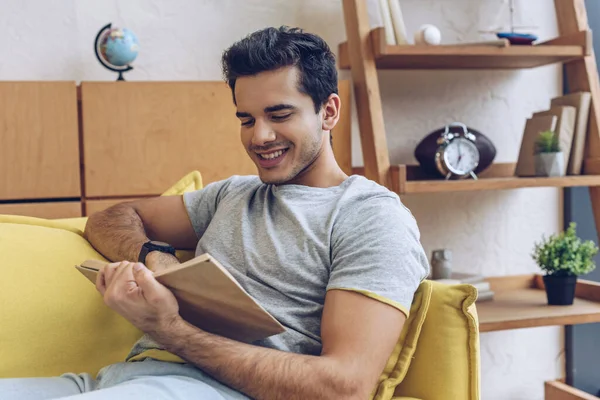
(210, 298)
(484, 291)
(398, 22)
(581, 101)
(534, 125)
(388, 25)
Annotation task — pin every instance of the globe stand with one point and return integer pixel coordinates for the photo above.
(105, 64)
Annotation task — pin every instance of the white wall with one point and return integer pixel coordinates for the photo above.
(490, 232)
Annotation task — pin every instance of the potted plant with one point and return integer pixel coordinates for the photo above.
(564, 257)
(549, 159)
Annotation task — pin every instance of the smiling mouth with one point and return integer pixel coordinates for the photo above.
(272, 159)
(273, 155)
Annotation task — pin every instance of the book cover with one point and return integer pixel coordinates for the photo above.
(388, 26)
(398, 22)
(210, 298)
(533, 127)
(581, 101)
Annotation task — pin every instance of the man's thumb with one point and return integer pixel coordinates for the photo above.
(144, 278)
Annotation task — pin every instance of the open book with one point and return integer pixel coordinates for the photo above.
(210, 298)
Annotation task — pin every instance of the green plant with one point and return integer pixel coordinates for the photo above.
(547, 142)
(565, 254)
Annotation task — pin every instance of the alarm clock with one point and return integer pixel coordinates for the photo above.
(455, 152)
(457, 155)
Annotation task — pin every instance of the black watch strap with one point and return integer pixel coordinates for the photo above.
(154, 245)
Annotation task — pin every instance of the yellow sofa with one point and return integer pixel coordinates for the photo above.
(52, 320)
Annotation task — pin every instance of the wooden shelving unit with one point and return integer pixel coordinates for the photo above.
(407, 179)
(471, 57)
(519, 301)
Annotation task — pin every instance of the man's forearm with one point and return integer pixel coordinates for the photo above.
(117, 233)
(259, 372)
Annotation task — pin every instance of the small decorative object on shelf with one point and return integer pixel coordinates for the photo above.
(517, 38)
(428, 35)
(549, 160)
(116, 49)
(441, 264)
(563, 257)
(512, 36)
(455, 151)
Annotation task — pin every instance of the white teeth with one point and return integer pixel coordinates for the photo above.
(270, 156)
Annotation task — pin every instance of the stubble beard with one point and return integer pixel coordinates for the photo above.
(308, 156)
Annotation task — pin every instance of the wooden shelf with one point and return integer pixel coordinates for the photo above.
(498, 184)
(409, 179)
(559, 390)
(559, 50)
(520, 302)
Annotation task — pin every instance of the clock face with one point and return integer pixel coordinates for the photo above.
(461, 156)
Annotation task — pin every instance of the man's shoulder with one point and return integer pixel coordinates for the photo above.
(243, 182)
(366, 199)
(362, 191)
(237, 184)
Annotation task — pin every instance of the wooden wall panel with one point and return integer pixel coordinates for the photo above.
(140, 137)
(93, 206)
(39, 150)
(70, 209)
(342, 133)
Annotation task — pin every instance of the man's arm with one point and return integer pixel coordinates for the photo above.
(120, 231)
(358, 336)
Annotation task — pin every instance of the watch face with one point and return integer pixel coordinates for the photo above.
(461, 156)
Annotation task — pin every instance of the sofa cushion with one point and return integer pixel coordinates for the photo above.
(399, 362)
(445, 361)
(52, 319)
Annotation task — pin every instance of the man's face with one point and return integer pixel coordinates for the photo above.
(280, 129)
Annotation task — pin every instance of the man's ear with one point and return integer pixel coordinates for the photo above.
(331, 112)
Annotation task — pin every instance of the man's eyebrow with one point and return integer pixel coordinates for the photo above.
(279, 107)
(242, 114)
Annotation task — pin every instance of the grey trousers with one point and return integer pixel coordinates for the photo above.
(148, 380)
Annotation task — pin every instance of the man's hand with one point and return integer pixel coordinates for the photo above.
(131, 290)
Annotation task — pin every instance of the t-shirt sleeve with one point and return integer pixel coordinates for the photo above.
(376, 251)
(202, 204)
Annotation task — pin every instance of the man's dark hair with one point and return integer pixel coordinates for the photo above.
(272, 48)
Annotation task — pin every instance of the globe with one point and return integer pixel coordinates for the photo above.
(119, 47)
(116, 49)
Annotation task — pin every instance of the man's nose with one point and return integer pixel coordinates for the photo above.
(262, 133)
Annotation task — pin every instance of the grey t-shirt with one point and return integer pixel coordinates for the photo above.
(288, 245)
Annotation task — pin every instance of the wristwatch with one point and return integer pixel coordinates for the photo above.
(154, 245)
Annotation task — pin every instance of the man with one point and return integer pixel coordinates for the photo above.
(335, 259)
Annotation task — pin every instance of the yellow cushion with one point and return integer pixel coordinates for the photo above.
(445, 355)
(189, 183)
(399, 361)
(52, 319)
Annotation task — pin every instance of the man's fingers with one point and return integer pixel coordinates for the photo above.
(145, 279)
(123, 279)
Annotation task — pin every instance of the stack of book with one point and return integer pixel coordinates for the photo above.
(484, 291)
(567, 117)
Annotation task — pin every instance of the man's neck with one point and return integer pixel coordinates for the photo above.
(323, 172)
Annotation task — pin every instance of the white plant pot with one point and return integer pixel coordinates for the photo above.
(550, 164)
